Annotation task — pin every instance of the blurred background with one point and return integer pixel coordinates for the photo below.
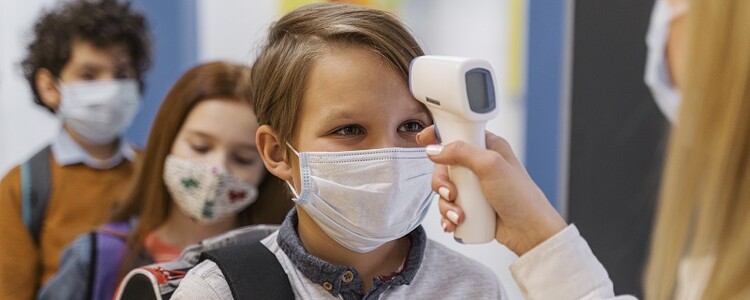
(569, 74)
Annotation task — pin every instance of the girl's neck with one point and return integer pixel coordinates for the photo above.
(180, 231)
(384, 260)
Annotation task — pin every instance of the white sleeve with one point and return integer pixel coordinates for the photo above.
(563, 267)
(204, 281)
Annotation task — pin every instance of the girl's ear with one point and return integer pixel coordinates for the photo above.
(47, 89)
(272, 152)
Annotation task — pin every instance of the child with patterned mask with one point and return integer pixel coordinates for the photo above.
(199, 176)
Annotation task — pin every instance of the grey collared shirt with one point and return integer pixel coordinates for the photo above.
(68, 152)
(431, 271)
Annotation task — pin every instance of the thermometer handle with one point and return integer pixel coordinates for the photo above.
(479, 217)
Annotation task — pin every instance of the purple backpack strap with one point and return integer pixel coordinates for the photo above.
(110, 242)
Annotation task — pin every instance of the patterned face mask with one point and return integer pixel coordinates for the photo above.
(204, 193)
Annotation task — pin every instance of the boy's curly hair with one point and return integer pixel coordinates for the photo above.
(100, 22)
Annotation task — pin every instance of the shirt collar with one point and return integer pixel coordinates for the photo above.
(345, 280)
(68, 152)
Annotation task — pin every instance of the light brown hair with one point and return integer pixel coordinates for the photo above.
(704, 210)
(149, 199)
(301, 37)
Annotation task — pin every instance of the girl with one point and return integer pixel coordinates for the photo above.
(197, 178)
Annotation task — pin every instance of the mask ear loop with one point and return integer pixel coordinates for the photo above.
(291, 187)
(293, 150)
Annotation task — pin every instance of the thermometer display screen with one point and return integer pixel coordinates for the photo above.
(480, 90)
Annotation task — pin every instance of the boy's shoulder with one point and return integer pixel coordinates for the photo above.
(438, 254)
(454, 275)
(11, 181)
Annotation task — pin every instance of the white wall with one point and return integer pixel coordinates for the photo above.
(233, 29)
(24, 126)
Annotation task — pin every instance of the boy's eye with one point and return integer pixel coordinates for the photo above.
(411, 126)
(88, 76)
(349, 130)
(124, 73)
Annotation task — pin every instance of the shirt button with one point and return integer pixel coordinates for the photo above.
(348, 277)
(327, 285)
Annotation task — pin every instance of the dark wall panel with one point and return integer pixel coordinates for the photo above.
(617, 137)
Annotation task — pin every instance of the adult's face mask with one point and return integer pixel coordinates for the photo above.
(99, 111)
(657, 76)
(364, 199)
(206, 194)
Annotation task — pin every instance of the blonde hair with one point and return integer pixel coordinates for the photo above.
(300, 38)
(704, 210)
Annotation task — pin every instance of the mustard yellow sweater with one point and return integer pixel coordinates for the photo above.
(81, 198)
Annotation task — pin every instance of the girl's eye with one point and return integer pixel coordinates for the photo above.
(243, 160)
(349, 130)
(411, 126)
(200, 148)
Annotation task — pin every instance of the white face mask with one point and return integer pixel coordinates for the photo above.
(364, 199)
(657, 76)
(99, 111)
(204, 193)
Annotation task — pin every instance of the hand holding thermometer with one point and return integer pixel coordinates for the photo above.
(460, 94)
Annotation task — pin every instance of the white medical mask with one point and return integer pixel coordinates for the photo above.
(99, 111)
(657, 75)
(364, 199)
(206, 194)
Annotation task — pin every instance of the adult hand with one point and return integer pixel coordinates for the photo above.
(525, 217)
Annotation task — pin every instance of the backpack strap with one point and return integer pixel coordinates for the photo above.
(252, 271)
(93, 236)
(108, 247)
(35, 188)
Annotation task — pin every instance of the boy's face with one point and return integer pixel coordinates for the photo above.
(355, 101)
(87, 63)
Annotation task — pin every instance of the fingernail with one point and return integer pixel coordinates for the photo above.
(445, 226)
(453, 216)
(444, 192)
(434, 149)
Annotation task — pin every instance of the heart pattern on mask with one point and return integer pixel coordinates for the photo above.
(235, 196)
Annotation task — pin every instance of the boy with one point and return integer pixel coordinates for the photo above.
(338, 123)
(85, 65)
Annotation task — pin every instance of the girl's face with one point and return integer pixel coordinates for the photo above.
(221, 133)
(355, 101)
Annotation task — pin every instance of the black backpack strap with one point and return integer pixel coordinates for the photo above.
(35, 188)
(92, 265)
(252, 271)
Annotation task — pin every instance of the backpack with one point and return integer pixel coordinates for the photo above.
(35, 187)
(108, 246)
(242, 245)
(252, 272)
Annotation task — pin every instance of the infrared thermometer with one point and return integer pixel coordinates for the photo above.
(460, 94)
